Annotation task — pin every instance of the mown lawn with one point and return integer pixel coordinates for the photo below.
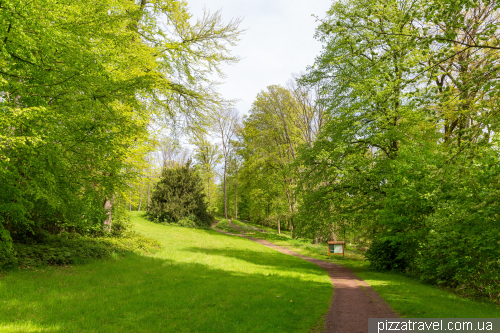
(407, 296)
(201, 281)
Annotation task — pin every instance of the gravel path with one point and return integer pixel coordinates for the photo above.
(354, 301)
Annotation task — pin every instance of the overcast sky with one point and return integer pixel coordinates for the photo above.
(278, 42)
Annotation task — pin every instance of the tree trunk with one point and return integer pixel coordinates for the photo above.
(148, 197)
(108, 206)
(290, 208)
(130, 202)
(208, 190)
(225, 194)
(334, 232)
(279, 227)
(236, 196)
(140, 199)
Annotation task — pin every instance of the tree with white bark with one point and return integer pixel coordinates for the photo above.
(225, 125)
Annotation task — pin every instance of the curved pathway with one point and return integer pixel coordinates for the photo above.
(354, 301)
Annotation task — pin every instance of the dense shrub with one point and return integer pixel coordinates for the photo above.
(7, 254)
(449, 222)
(387, 255)
(121, 221)
(178, 198)
(72, 248)
(463, 254)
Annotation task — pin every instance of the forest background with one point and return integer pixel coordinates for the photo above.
(389, 140)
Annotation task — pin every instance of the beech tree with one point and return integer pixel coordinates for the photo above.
(411, 96)
(281, 121)
(81, 82)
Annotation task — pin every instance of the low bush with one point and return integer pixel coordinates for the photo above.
(466, 260)
(387, 255)
(189, 221)
(7, 254)
(72, 248)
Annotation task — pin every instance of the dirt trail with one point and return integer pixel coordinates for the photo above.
(243, 233)
(354, 300)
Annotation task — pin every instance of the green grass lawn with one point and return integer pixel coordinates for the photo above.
(413, 299)
(201, 281)
(407, 296)
(225, 226)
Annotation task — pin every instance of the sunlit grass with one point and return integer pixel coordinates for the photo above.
(225, 226)
(413, 299)
(407, 296)
(201, 281)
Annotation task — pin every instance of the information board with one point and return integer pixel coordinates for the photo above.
(336, 248)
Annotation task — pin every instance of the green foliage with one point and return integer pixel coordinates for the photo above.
(408, 160)
(7, 254)
(121, 221)
(60, 249)
(406, 295)
(72, 248)
(386, 255)
(178, 198)
(190, 221)
(281, 121)
(120, 226)
(207, 156)
(79, 84)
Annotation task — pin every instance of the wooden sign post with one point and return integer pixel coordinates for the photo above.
(335, 248)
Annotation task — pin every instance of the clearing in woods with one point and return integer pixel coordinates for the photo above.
(201, 281)
(354, 300)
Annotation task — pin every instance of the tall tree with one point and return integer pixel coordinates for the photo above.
(410, 91)
(281, 121)
(234, 166)
(81, 81)
(226, 122)
(208, 155)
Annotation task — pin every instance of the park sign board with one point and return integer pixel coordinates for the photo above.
(336, 247)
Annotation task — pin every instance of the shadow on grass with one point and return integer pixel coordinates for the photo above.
(145, 294)
(277, 260)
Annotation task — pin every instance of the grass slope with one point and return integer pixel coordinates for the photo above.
(224, 225)
(407, 296)
(201, 281)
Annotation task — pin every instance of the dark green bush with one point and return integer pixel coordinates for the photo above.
(8, 257)
(178, 198)
(463, 257)
(387, 255)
